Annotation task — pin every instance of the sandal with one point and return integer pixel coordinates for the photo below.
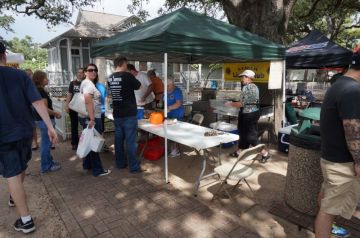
(234, 154)
(35, 148)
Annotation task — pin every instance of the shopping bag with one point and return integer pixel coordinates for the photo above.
(77, 104)
(84, 146)
(97, 142)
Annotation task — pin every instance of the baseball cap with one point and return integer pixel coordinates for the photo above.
(248, 73)
(355, 60)
(2, 48)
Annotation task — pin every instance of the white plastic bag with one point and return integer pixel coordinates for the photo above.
(77, 104)
(97, 142)
(84, 146)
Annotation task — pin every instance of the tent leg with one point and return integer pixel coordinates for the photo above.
(165, 112)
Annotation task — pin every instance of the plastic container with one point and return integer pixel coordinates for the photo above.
(226, 127)
(140, 113)
(154, 150)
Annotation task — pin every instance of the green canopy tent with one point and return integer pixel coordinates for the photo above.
(188, 36)
(184, 36)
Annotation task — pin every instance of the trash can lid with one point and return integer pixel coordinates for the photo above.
(311, 113)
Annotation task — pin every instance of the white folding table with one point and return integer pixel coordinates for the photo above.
(192, 136)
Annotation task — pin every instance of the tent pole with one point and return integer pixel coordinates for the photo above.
(284, 93)
(165, 115)
(188, 80)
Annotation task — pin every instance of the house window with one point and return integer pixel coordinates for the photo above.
(64, 55)
(85, 56)
(75, 52)
(75, 42)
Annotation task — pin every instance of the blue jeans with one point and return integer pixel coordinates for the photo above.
(45, 146)
(126, 131)
(92, 160)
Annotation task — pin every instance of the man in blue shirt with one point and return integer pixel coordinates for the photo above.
(175, 110)
(17, 94)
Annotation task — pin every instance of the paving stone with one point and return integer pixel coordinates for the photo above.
(118, 232)
(239, 232)
(77, 234)
(100, 227)
(90, 231)
(107, 234)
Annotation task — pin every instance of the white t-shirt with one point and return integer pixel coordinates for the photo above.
(88, 87)
(145, 82)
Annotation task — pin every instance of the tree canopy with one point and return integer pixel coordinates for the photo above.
(35, 57)
(282, 21)
(53, 12)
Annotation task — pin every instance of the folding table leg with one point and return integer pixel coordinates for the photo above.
(143, 149)
(197, 183)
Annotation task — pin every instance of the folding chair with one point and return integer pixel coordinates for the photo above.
(197, 119)
(237, 171)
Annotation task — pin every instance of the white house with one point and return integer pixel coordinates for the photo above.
(71, 49)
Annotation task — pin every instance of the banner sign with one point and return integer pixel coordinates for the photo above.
(261, 69)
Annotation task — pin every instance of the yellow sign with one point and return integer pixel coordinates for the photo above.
(261, 69)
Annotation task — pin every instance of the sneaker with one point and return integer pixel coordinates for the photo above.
(141, 170)
(338, 231)
(106, 172)
(11, 202)
(106, 148)
(264, 159)
(53, 168)
(25, 228)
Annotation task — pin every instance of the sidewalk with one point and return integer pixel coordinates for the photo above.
(73, 203)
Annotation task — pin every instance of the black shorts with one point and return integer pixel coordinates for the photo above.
(14, 157)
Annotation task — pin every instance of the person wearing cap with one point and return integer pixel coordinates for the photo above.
(17, 96)
(249, 115)
(340, 152)
(144, 95)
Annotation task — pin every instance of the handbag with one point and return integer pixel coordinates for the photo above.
(77, 104)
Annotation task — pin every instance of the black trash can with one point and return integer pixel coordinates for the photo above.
(304, 177)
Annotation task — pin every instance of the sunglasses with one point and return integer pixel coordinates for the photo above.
(92, 70)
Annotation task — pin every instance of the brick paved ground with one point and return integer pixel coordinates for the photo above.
(72, 203)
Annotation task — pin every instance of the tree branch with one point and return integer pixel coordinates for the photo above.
(312, 9)
(352, 26)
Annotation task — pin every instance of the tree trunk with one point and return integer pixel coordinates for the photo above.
(267, 18)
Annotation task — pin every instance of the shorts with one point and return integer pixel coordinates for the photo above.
(341, 189)
(14, 157)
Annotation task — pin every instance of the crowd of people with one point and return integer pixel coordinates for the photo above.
(25, 104)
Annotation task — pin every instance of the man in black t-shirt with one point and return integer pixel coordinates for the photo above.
(74, 87)
(122, 85)
(340, 151)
